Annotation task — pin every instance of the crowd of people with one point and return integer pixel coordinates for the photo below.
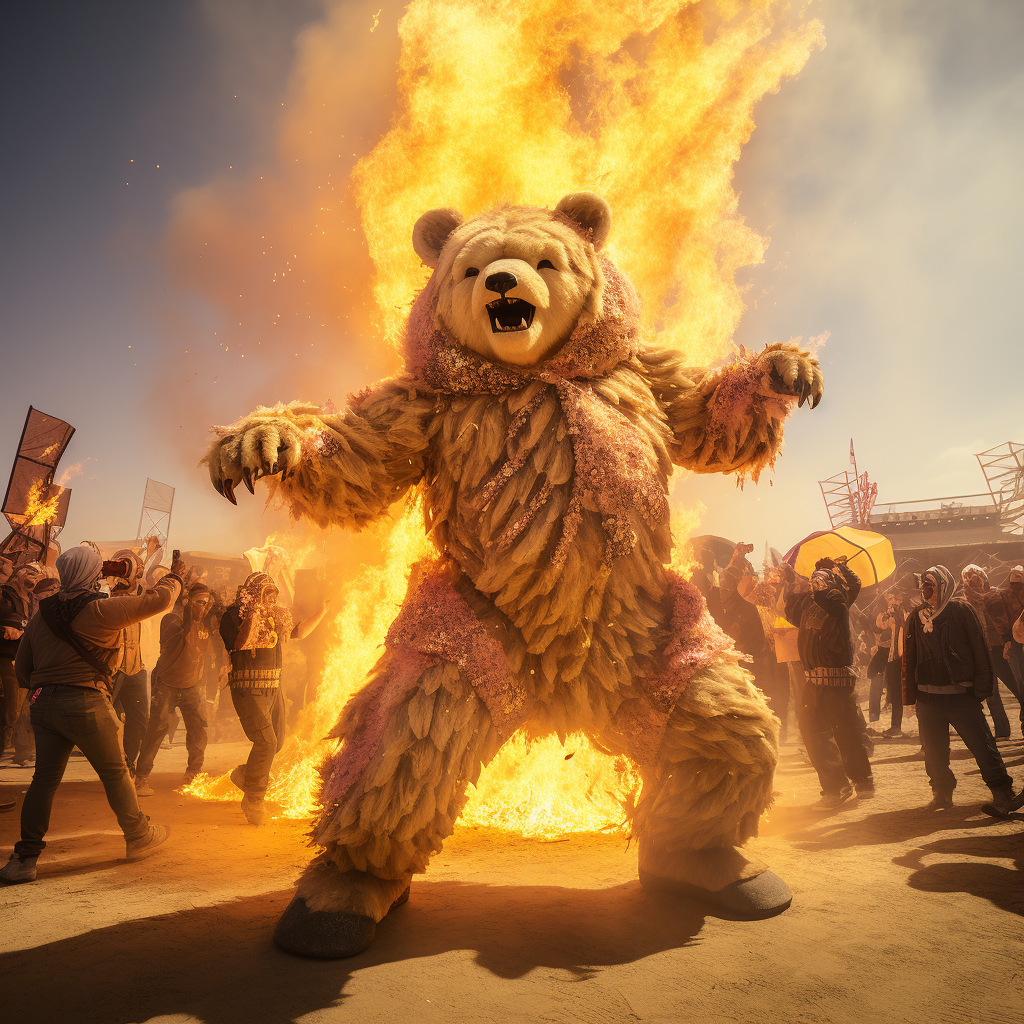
(71, 653)
(930, 641)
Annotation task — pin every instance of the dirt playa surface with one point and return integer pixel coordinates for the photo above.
(899, 915)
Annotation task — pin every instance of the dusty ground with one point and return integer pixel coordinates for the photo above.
(899, 915)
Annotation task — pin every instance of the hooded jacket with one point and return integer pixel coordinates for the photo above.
(953, 654)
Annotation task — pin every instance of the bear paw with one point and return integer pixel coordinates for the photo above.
(258, 447)
(793, 372)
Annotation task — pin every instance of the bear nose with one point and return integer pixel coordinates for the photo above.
(501, 282)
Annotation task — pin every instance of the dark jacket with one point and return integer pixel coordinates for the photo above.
(825, 639)
(183, 649)
(958, 637)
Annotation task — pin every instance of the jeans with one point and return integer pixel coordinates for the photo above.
(64, 717)
(894, 691)
(832, 728)
(191, 702)
(262, 714)
(876, 679)
(131, 698)
(1006, 671)
(935, 714)
(13, 698)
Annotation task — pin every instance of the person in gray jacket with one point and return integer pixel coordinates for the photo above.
(947, 673)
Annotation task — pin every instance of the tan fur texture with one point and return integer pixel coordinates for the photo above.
(545, 487)
(324, 887)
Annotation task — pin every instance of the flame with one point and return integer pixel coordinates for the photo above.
(75, 469)
(647, 103)
(40, 510)
(525, 102)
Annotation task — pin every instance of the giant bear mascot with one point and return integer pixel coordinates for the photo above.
(543, 426)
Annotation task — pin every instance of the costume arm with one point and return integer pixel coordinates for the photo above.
(336, 469)
(730, 420)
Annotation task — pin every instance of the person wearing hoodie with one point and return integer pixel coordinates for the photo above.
(947, 673)
(178, 684)
(66, 660)
(985, 600)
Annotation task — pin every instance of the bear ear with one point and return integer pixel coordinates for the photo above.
(430, 233)
(590, 212)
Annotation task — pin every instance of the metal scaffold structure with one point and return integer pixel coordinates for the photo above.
(1003, 467)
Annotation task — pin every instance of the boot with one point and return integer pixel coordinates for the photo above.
(940, 802)
(19, 869)
(335, 913)
(1003, 801)
(719, 875)
(142, 786)
(253, 810)
(137, 849)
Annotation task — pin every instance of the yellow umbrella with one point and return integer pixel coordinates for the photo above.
(869, 555)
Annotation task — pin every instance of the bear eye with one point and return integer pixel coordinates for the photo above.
(545, 265)
(472, 272)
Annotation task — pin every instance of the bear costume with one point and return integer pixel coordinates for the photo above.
(543, 427)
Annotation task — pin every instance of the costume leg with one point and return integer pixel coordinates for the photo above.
(712, 782)
(403, 774)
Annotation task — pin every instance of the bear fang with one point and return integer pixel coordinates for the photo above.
(510, 315)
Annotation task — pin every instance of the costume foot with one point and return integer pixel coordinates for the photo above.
(764, 895)
(326, 934)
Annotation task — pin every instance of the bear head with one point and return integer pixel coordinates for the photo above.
(515, 284)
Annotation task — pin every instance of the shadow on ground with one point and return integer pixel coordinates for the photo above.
(218, 965)
(998, 884)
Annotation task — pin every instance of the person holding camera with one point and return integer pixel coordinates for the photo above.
(178, 683)
(947, 673)
(66, 660)
(831, 724)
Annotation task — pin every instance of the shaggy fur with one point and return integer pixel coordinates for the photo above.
(545, 491)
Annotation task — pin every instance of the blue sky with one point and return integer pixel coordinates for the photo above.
(886, 175)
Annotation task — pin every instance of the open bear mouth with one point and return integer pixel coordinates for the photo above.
(508, 315)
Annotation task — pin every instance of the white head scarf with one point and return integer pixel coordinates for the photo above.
(79, 570)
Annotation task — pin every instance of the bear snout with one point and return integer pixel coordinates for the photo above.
(501, 282)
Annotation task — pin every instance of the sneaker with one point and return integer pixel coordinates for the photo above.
(139, 848)
(893, 734)
(142, 786)
(865, 790)
(19, 869)
(940, 802)
(253, 810)
(190, 777)
(830, 800)
(238, 776)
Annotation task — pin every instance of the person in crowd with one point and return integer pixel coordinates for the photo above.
(66, 660)
(876, 668)
(131, 683)
(890, 622)
(703, 578)
(26, 585)
(763, 595)
(742, 621)
(178, 683)
(253, 630)
(947, 673)
(831, 724)
(978, 594)
(1003, 605)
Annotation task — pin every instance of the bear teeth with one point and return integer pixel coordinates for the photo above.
(510, 315)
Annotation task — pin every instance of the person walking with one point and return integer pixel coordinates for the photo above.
(253, 630)
(178, 682)
(891, 623)
(831, 724)
(978, 593)
(66, 661)
(947, 673)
